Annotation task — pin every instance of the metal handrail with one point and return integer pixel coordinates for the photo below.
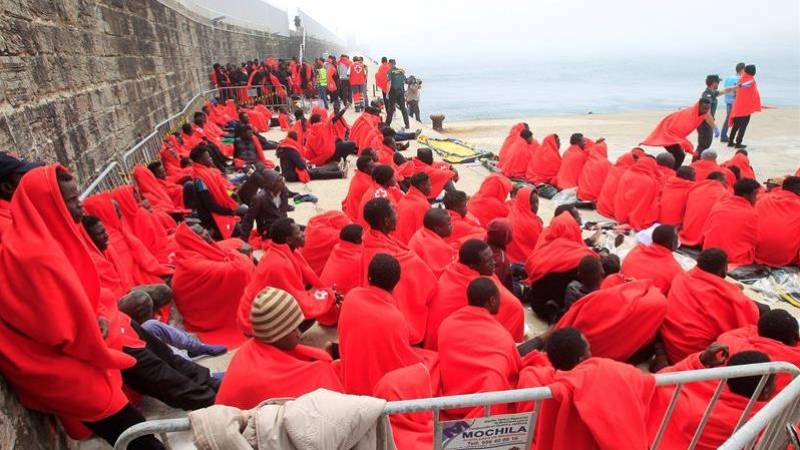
(101, 178)
(775, 409)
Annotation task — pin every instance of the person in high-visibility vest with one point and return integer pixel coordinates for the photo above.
(322, 83)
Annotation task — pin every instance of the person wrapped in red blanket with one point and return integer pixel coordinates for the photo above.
(209, 281)
(441, 174)
(702, 306)
(546, 161)
(411, 431)
(605, 201)
(374, 336)
(526, 226)
(163, 196)
(322, 233)
(779, 225)
(514, 159)
(343, 269)
(672, 132)
(273, 364)
(637, 199)
(412, 207)
(594, 172)
(741, 160)
(746, 103)
(655, 262)
(674, 194)
(513, 136)
(583, 387)
(702, 197)
(361, 181)
(465, 225)
(706, 165)
(153, 232)
(417, 284)
(284, 268)
(475, 259)
(429, 241)
(573, 160)
(490, 200)
(216, 208)
(384, 185)
(732, 224)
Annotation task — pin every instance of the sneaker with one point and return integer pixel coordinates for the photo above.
(730, 144)
(739, 146)
(723, 139)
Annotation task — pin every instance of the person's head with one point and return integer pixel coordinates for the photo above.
(712, 82)
(704, 106)
(245, 133)
(383, 272)
(383, 175)
(742, 151)
(70, 193)
(387, 131)
(352, 233)
(666, 236)
(272, 181)
(611, 264)
(369, 151)
(713, 261)
(96, 231)
(380, 215)
(750, 69)
(384, 60)
(483, 293)
(286, 231)
(534, 201)
(666, 159)
(456, 201)
(199, 119)
(292, 135)
(200, 155)
(779, 325)
(686, 173)
(577, 139)
(299, 114)
(708, 155)
(747, 189)
(276, 317)
(438, 220)
(718, 176)
(244, 119)
(11, 172)
(527, 135)
(746, 386)
(499, 232)
(392, 63)
(315, 118)
(590, 272)
(202, 232)
(365, 164)
(425, 154)
(566, 348)
(157, 169)
(187, 129)
(477, 255)
(739, 68)
(422, 182)
(736, 171)
(791, 184)
(572, 210)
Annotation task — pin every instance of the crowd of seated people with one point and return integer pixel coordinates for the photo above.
(426, 297)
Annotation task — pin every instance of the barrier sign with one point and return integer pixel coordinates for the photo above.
(507, 432)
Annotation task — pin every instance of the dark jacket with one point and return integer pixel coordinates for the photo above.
(263, 212)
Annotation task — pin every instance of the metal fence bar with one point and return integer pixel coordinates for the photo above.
(107, 179)
(665, 420)
(707, 414)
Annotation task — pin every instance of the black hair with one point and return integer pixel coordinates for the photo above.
(665, 159)
(686, 173)
(298, 114)
(352, 233)
(664, 235)
(376, 211)
(153, 166)
(745, 186)
(418, 179)
(589, 264)
(575, 138)
(185, 162)
(526, 134)
(742, 151)
(750, 69)
(611, 264)
(186, 128)
(454, 198)
(384, 272)
(565, 348)
(739, 67)
(561, 208)
(705, 101)
(712, 79)
(434, 217)
(363, 162)
(281, 230)
(425, 155)
(480, 291)
(469, 252)
(791, 184)
(199, 114)
(746, 386)
(779, 325)
(197, 152)
(713, 260)
(737, 172)
(382, 173)
(717, 175)
(315, 118)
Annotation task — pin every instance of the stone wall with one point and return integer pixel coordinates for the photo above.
(82, 80)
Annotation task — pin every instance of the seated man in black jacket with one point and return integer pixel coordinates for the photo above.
(270, 204)
(244, 147)
(292, 162)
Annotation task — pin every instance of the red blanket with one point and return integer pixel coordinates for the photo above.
(365, 123)
(748, 99)
(5, 217)
(343, 270)
(636, 201)
(417, 283)
(322, 233)
(732, 225)
(412, 431)
(464, 229)
(374, 339)
(358, 186)
(672, 206)
(320, 143)
(163, 196)
(451, 296)
(701, 198)
(674, 129)
(208, 283)
(652, 262)
(282, 268)
(411, 210)
(436, 253)
(747, 338)
(51, 349)
(571, 166)
(393, 194)
(490, 200)
(778, 229)
(218, 187)
(702, 168)
(594, 173)
(701, 307)
(741, 161)
(525, 227)
(559, 249)
(543, 167)
(577, 416)
(513, 135)
(618, 321)
(439, 173)
(605, 201)
(476, 354)
(146, 226)
(514, 158)
(261, 371)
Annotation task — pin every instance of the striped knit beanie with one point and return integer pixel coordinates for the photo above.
(275, 313)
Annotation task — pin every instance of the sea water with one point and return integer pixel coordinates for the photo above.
(527, 87)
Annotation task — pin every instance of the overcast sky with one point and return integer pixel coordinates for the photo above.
(425, 30)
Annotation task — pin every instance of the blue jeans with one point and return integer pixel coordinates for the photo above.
(724, 132)
(323, 95)
(172, 336)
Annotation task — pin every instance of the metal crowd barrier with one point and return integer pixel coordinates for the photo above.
(268, 95)
(782, 409)
(112, 176)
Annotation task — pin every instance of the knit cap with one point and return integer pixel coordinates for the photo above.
(275, 313)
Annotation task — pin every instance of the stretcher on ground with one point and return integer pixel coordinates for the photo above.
(453, 150)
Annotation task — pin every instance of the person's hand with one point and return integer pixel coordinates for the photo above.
(339, 297)
(716, 131)
(102, 323)
(714, 356)
(602, 139)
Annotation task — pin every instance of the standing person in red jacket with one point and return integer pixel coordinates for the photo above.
(358, 83)
(381, 79)
(747, 102)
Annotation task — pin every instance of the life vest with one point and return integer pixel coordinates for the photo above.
(322, 76)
